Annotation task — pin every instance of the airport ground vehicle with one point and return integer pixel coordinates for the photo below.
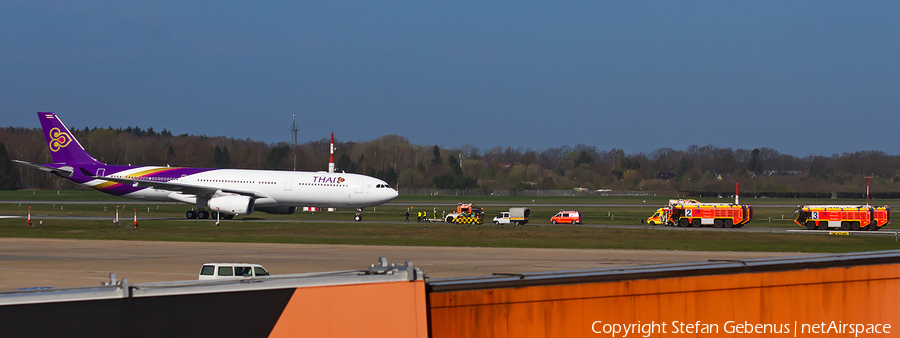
(692, 213)
(516, 216)
(657, 217)
(566, 216)
(662, 214)
(844, 217)
(231, 271)
(466, 213)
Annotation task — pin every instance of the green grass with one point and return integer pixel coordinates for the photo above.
(337, 227)
(648, 200)
(89, 195)
(619, 215)
(417, 234)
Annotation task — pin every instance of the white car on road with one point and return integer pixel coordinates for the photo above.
(231, 271)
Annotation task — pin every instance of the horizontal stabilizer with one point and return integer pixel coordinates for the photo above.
(64, 171)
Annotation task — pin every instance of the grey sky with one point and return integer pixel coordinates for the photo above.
(813, 77)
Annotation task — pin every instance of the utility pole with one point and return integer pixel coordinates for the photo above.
(293, 130)
(294, 138)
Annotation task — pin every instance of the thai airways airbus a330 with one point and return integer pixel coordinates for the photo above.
(229, 192)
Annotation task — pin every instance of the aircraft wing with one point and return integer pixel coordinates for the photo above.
(65, 171)
(180, 187)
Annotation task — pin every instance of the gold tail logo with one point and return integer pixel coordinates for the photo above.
(59, 139)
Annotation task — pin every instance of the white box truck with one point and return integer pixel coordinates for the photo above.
(516, 216)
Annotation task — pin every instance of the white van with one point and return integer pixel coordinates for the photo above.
(231, 271)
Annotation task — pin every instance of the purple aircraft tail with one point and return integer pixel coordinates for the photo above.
(64, 148)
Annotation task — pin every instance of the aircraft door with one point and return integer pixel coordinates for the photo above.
(101, 172)
(359, 186)
(288, 183)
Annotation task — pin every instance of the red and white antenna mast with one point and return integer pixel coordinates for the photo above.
(331, 159)
(867, 188)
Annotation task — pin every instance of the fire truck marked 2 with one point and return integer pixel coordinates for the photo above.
(692, 213)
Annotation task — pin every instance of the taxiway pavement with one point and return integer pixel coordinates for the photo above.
(66, 263)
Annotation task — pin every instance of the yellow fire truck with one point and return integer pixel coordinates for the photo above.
(662, 214)
(843, 217)
(691, 213)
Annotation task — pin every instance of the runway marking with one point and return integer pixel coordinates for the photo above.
(10, 216)
(844, 233)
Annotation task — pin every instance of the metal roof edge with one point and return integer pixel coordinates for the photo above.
(711, 267)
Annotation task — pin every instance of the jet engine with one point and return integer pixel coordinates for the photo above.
(236, 205)
(279, 210)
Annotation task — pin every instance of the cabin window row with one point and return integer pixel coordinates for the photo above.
(230, 181)
(146, 178)
(324, 185)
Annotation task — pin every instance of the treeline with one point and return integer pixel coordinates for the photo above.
(697, 169)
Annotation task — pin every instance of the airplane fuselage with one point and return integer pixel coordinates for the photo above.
(281, 188)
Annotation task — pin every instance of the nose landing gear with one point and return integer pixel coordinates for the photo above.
(358, 216)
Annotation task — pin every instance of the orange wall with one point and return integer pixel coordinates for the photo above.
(862, 294)
(391, 309)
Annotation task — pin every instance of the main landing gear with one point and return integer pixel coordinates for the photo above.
(203, 214)
(193, 214)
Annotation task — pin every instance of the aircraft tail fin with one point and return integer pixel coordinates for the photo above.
(64, 148)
